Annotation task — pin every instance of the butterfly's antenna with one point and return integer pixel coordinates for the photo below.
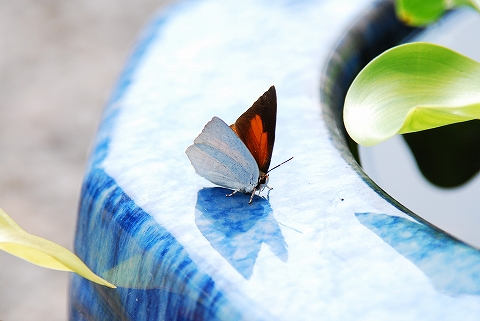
(271, 169)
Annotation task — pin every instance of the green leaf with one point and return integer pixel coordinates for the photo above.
(409, 88)
(39, 251)
(475, 4)
(423, 12)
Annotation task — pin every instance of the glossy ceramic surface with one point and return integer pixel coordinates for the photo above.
(326, 244)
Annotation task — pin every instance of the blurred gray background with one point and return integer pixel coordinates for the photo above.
(59, 61)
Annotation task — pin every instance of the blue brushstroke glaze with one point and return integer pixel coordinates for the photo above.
(236, 229)
(160, 282)
(452, 266)
(156, 279)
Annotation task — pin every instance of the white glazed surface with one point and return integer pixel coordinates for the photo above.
(320, 254)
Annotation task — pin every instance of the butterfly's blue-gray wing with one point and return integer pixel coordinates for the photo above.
(220, 156)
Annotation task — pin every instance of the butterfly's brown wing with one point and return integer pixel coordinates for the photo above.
(256, 128)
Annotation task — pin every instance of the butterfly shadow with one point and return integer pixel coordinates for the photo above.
(452, 266)
(236, 229)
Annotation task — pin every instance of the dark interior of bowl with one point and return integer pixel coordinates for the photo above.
(447, 156)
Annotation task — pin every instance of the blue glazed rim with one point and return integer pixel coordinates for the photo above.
(375, 31)
(372, 33)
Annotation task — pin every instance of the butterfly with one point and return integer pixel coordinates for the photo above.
(238, 156)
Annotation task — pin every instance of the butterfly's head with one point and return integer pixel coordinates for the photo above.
(262, 181)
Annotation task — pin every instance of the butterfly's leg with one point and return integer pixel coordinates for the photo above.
(251, 197)
(269, 188)
(233, 192)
